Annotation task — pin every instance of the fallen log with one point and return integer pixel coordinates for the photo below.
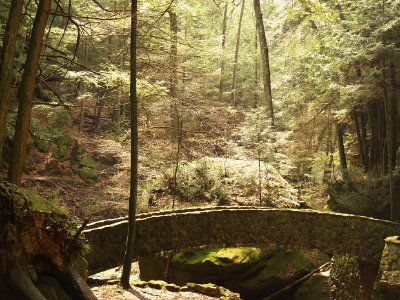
(36, 244)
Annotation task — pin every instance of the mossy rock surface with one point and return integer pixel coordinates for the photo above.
(204, 266)
(89, 175)
(221, 256)
(252, 272)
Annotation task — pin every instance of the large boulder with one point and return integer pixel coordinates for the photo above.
(252, 272)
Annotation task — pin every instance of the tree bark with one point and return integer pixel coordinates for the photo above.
(357, 128)
(256, 68)
(342, 153)
(221, 79)
(129, 253)
(173, 78)
(234, 76)
(6, 65)
(265, 61)
(26, 93)
(389, 116)
(377, 126)
(363, 125)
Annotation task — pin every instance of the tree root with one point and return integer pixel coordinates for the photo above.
(47, 242)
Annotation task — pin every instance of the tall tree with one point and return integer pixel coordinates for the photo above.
(222, 65)
(235, 64)
(26, 92)
(126, 271)
(6, 64)
(173, 77)
(264, 60)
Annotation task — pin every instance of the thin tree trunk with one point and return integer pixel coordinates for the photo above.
(178, 154)
(129, 253)
(342, 153)
(377, 137)
(173, 60)
(234, 76)
(26, 93)
(6, 65)
(388, 103)
(363, 125)
(259, 178)
(221, 79)
(264, 61)
(256, 68)
(359, 140)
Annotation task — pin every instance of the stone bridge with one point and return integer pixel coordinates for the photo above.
(331, 233)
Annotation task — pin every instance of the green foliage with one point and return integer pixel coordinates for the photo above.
(51, 204)
(44, 136)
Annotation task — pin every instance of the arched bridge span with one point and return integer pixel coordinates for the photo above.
(239, 226)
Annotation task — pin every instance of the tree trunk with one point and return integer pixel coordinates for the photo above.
(389, 116)
(221, 79)
(126, 271)
(363, 125)
(377, 126)
(256, 68)
(234, 76)
(26, 93)
(173, 78)
(6, 65)
(357, 128)
(264, 61)
(342, 153)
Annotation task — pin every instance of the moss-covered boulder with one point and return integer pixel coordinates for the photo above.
(252, 272)
(208, 265)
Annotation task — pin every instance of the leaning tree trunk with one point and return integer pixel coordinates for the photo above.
(126, 271)
(36, 245)
(6, 65)
(264, 60)
(26, 93)
(234, 76)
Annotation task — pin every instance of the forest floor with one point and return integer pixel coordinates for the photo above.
(215, 136)
(114, 290)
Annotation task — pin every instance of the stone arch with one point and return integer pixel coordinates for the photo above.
(240, 226)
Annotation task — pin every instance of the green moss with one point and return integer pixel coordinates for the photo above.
(40, 204)
(89, 175)
(140, 284)
(89, 162)
(221, 256)
(157, 284)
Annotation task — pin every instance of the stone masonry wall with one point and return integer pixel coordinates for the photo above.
(239, 226)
